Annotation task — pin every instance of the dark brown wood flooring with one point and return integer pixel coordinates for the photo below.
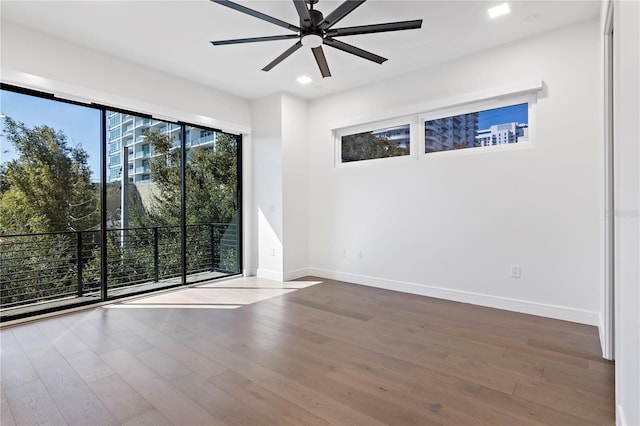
(329, 353)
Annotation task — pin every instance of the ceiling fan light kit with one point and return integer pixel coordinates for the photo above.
(316, 30)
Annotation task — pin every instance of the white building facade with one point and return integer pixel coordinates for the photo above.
(502, 134)
(126, 130)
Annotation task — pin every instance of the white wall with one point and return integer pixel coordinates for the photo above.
(295, 186)
(626, 39)
(267, 156)
(34, 60)
(279, 140)
(451, 225)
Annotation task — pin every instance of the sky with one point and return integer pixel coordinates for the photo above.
(80, 124)
(518, 113)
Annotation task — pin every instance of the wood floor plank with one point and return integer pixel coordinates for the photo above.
(58, 333)
(219, 354)
(75, 400)
(327, 354)
(524, 409)
(369, 404)
(96, 340)
(549, 396)
(208, 395)
(120, 398)
(332, 308)
(149, 418)
(30, 337)
(161, 394)
(16, 370)
(89, 366)
(163, 364)
(31, 404)
(201, 364)
(6, 416)
(326, 408)
(265, 401)
(8, 343)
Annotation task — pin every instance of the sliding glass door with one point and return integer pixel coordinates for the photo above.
(98, 204)
(211, 210)
(49, 203)
(143, 204)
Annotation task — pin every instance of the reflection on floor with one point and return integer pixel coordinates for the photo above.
(223, 294)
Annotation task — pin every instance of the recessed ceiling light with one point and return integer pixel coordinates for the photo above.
(501, 9)
(303, 79)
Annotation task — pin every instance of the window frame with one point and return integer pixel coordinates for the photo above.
(524, 91)
(338, 134)
(529, 98)
(106, 169)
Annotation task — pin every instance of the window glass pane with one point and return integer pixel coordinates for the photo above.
(212, 204)
(382, 143)
(498, 126)
(144, 250)
(49, 202)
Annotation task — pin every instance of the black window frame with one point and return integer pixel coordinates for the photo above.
(104, 170)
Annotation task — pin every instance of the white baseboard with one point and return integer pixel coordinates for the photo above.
(280, 276)
(269, 275)
(249, 272)
(621, 420)
(524, 306)
(296, 273)
(606, 342)
(601, 332)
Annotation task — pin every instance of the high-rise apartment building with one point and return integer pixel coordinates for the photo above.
(447, 133)
(400, 135)
(128, 131)
(501, 134)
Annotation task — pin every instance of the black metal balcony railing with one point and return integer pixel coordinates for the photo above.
(49, 266)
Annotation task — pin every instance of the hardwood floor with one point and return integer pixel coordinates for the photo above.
(311, 352)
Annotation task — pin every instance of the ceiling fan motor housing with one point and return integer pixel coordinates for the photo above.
(312, 36)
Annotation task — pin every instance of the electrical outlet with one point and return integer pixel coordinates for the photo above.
(273, 252)
(516, 271)
(359, 255)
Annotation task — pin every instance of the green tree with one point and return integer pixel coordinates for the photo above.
(211, 177)
(366, 146)
(211, 197)
(46, 191)
(48, 187)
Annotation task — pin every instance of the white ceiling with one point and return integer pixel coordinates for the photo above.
(173, 36)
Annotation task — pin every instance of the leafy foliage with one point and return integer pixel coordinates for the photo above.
(210, 181)
(366, 146)
(47, 191)
(48, 188)
(211, 184)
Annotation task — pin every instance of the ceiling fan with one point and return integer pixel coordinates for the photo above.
(315, 30)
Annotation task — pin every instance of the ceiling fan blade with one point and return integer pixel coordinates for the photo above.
(256, 14)
(284, 56)
(303, 12)
(353, 50)
(321, 61)
(340, 12)
(254, 39)
(376, 28)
